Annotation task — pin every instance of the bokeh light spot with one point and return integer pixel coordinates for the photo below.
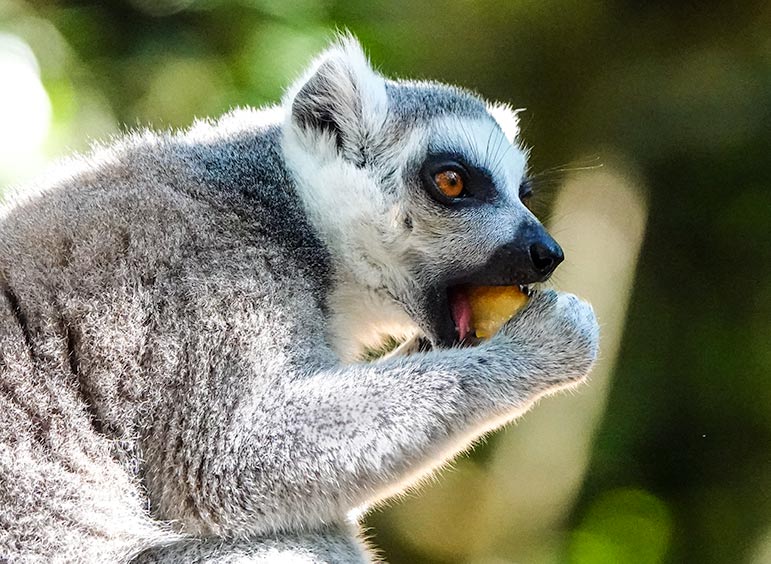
(25, 109)
(623, 525)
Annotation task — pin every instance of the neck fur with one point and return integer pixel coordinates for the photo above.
(351, 216)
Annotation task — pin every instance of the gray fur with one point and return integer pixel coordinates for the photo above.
(177, 329)
(415, 101)
(325, 545)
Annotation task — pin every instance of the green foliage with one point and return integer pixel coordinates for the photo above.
(629, 526)
(388, 345)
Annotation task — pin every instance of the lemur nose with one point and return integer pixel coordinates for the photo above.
(546, 256)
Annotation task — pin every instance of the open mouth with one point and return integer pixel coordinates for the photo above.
(459, 300)
(474, 302)
(451, 310)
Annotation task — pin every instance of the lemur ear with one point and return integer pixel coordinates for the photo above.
(507, 119)
(341, 99)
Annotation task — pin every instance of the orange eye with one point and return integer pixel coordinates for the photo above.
(449, 182)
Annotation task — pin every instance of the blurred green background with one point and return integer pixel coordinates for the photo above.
(650, 125)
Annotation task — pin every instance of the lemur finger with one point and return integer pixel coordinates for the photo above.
(539, 303)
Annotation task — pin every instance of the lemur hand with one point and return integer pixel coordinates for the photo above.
(557, 333)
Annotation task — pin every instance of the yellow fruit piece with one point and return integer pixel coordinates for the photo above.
(492, 306)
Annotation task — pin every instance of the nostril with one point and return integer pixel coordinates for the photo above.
(545, 259)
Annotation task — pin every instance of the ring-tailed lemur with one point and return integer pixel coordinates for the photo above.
(181, 314)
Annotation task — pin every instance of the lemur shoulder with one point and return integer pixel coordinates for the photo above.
(182, 314)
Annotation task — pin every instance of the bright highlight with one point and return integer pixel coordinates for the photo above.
(25, 109)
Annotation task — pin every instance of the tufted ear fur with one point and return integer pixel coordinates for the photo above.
(341, 100)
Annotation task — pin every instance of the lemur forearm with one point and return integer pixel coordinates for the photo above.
(352, 433)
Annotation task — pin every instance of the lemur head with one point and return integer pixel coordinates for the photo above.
(418, 188)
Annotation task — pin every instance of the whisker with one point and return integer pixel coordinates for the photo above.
(487, 145)
(509, 147)
(569, 167)
(466, 135)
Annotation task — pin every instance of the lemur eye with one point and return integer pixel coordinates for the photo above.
(526, 192)
(449, 182)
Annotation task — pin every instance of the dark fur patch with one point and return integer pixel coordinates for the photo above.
(84, 389)
(19, 315)
(313, 107)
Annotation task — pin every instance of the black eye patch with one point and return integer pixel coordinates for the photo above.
(450, 180)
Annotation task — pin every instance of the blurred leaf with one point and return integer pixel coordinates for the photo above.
(629, 526)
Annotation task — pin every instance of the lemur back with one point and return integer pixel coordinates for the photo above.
(181, 313)
(113, 287)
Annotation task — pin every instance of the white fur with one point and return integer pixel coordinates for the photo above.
(489, 146)
(507, 118)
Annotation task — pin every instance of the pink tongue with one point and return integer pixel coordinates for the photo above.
(460, 308)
